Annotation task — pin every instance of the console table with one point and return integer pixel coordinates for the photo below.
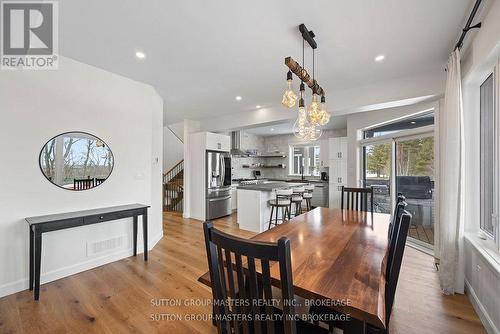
(48, 223)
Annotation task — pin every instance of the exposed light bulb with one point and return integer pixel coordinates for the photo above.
(314, 111)
(289, 96)
(325, 115)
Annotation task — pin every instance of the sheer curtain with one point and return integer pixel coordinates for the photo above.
(451, 146)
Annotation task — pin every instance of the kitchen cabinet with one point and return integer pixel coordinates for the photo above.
(335, 196)
(320, 195)
(217, 142)
(338, 172)
(324, 153)
(337, 148)
(337, 169)
(234, 198)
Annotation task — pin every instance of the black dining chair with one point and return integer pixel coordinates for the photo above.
(357, 199)
(83, 184)
(393, 267)
(397, 213)
(393, 270)
(233, 264)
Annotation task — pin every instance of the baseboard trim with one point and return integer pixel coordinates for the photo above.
(481, 311)
(22, 284)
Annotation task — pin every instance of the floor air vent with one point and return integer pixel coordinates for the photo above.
(103, 246)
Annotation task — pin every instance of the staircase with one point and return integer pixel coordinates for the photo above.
(173, 188)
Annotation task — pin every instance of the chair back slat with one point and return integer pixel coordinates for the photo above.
(244, 309)
(401, 231)
(394, 226)
(268, 294)
(356, 198)
(250, 285)
(254, 293)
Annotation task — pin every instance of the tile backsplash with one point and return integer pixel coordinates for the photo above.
(266, 145)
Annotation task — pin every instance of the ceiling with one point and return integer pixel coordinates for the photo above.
(336, 123)
(201, 54)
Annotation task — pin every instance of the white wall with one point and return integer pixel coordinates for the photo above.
(190, 126)
(173, 149)
(482, 272)
(37, 105)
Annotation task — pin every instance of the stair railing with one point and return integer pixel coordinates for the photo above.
(173, 188)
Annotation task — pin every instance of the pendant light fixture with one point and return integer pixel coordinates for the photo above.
(289, 97)
(309, 122)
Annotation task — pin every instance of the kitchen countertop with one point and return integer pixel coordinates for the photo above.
(269, 186)
(299, 180)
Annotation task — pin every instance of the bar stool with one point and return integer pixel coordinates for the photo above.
(297, 199)
(283, 201)
(308, 194)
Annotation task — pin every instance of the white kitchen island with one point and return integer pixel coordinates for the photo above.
(253, 204)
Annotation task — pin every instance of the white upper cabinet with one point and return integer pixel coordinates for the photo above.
(324, 153)
(218, 142)
(337, 148)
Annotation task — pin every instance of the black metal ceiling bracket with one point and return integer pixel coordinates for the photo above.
(308, 35)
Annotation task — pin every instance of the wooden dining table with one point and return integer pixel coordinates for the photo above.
(338, 257)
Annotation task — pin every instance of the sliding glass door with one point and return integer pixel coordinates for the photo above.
(415, 180)
(397, 158)
(377, 174)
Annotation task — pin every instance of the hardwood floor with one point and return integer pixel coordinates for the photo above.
(131, 296)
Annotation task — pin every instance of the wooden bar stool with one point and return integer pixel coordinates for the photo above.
(308, 194)
(297, 198)
(283, 201)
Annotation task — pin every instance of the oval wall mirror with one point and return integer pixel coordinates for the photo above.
(76, 161)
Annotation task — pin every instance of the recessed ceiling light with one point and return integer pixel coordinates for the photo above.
(272, 129)
(238, 98)
(140, 54)
(379, 58)
(258, 106)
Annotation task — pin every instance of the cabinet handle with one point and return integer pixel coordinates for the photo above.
(339, 180)
(340, 155)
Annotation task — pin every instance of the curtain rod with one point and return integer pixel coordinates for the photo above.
(468, 26)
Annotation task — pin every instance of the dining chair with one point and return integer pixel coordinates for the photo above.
(82, 184)
(357, 198)
(393, 268)
(308, 194)
(240, 270)
(284, 201)
(392, 276)
(297, 198)
(397, 212)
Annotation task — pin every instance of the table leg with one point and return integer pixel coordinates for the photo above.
(38, 260)
(31, 247)
(135, 235)
(145, 233)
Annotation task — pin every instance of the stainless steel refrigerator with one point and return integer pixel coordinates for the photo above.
(218, 182)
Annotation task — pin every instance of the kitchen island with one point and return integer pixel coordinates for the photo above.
(253, 204)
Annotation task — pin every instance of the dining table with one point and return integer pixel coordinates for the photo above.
(338, 259)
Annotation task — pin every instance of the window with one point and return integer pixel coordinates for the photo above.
(414, 122)
(304, 158)
(398, 157)
(487, 139)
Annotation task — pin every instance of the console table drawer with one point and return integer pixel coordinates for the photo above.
(110, 216)
(59, 225)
